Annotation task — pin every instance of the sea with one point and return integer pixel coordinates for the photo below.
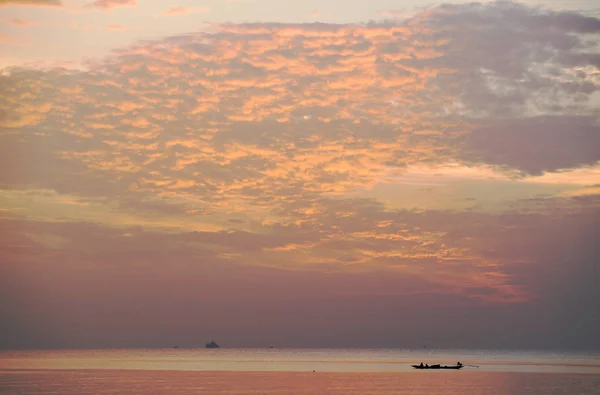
(277, 371)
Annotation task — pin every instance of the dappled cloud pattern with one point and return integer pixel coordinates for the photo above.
(252, 141)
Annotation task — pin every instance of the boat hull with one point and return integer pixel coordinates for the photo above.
(455, 367)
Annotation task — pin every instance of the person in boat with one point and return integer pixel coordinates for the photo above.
(459, 363)
(421, 365)
(426, 365)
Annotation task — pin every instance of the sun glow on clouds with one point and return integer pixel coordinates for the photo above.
(273, 141)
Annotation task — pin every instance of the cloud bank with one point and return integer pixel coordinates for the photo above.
(248, 149)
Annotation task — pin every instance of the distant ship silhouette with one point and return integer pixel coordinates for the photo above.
(212, 344)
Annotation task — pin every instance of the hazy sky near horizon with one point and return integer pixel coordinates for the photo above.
(387, 177)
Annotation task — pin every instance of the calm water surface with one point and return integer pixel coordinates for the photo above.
(287, 371)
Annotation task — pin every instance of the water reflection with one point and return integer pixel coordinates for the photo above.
(321, 360)
(98, 382)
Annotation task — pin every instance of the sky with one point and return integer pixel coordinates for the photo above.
(299, 174)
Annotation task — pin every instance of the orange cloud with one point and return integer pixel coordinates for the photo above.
(23, 22)
(7, 39)
(116, 27)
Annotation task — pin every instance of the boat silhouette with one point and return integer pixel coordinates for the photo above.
(212, 344)
(438, 366)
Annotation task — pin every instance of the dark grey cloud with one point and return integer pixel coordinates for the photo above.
(537, 144)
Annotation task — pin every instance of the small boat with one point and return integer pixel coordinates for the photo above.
(456, 367)
(212, 344)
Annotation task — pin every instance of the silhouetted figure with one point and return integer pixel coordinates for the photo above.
(421, 365)
(459, 364)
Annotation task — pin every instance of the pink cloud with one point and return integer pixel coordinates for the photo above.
(179, 10)
(110, 4)
(116, 27)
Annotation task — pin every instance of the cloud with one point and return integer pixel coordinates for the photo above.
(176, 10)
(439, 165)
(110, 4)
(53, 3)
(116, 27)
(510, 257)
(179, 10)
(537, 144)
(23, 22)
(9, 40)
(401, 14)
(266, 133)
(348, 104)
